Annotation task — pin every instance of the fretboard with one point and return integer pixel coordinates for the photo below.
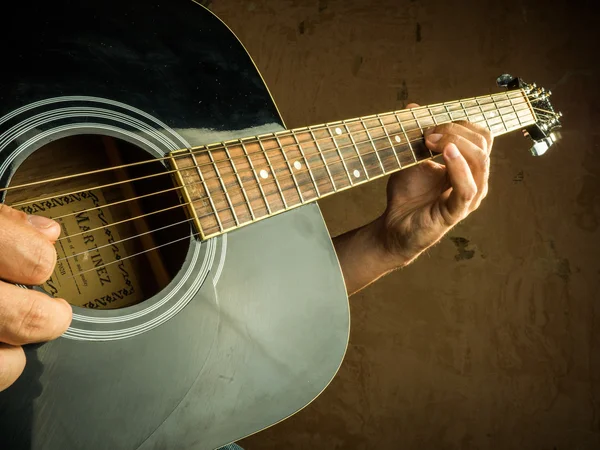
(232, 184)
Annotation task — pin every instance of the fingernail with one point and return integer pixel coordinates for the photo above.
(452, 151)
(41, 223)
(434, 138)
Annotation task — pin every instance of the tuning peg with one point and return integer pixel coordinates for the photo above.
(540, 147)
(504, 80)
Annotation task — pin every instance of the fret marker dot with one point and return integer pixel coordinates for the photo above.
(297, 165)
(492, 114)
(356, 174)
(338, 131)
(397, 138)
(264, 174)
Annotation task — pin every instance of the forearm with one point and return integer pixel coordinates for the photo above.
(363, 256)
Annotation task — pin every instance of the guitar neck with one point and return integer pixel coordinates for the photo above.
(235, 183)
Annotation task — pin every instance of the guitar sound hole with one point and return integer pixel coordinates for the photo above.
(123, 234)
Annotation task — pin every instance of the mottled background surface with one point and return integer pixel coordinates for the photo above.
(491, 340)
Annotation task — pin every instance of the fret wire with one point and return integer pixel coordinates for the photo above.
(273, 172)
(390, 140)
(235, 217)
(265, 199)
(433, 117)
(449, 112)
(233, 166)
(356, 156)
(307, 165)
(533, 113)
(412, 151)
(208, 194)
(500, 113)
(524, 98)
(323, 158)
(520, 91)
(421, 128)
(487, 124)
(515, 111)
(341, 156)
(357, 150)
(344, 188)
(373, 144)
(465, 111)
(296, 184)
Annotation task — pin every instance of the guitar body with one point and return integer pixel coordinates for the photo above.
(244, 329)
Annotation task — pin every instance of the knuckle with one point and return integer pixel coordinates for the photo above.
(485, 133)
(451, 127)
(19, 215)
(468, 194)
(452, 139)
(33, 320)
(482, 143)
(484, 161)
(11, 213)
(43, 260)
(66, 315)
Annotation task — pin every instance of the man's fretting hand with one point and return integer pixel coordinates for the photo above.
(27, 256)
(424, 203)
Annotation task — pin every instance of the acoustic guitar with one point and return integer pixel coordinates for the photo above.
(208, 302)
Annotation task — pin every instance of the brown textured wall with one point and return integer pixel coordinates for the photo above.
(491, 339)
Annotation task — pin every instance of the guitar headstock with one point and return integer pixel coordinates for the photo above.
(543, 132)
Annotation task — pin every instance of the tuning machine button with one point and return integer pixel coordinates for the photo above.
(504, 80)
(540, 147)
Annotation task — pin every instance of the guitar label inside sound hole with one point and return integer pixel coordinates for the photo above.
(111, 282)
(123, 235)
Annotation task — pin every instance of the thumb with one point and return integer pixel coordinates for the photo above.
(46, 226)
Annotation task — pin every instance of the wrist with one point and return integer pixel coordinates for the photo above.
(389, 251)
(367, 253)
(391, 247)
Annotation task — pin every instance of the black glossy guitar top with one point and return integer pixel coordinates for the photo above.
(247, 328)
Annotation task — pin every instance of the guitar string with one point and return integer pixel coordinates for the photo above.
(126, 239)
(91, 230)
(222, 146)
(551, 113)
(317, 128)
(258, 153)
(168, 226)
(282, 157)
(277, 158)
(132, 256)
(187, 236)
(336, 175)
(196, 234)
(328, 165)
